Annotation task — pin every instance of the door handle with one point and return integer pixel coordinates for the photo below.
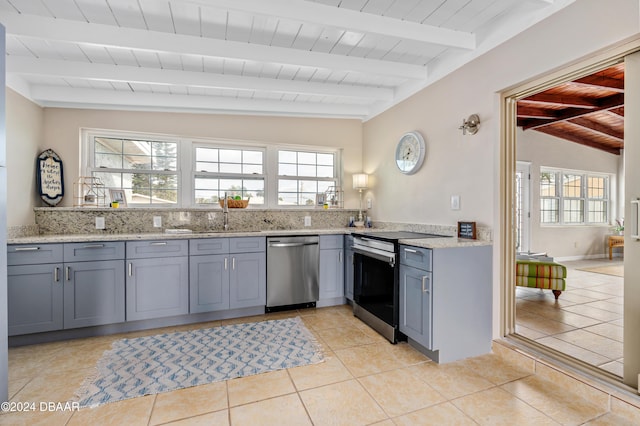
(27, 248)
(233, 263)
(92, 246)
(408, 250)
(130, 269)
(340, 256)
(56, 274)
(160, 243)
(226, 263)
(67, 273)
(424, 281)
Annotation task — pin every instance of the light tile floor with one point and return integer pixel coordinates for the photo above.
(586, 320)
(364, 380)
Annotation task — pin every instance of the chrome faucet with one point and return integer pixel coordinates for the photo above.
(225, 213)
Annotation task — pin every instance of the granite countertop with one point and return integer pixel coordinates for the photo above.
(80, 238)
(450, 242)
(433, 243)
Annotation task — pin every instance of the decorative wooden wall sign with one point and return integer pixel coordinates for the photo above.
(49, 177)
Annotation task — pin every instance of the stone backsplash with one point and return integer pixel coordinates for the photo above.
(62, 220)
(482, 232)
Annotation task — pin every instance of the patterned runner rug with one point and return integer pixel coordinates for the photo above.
(166, 362)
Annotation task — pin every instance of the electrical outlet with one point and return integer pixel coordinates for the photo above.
(157, 221)
(100, 223)
(455, 202)
(307, 221)
(369, 203)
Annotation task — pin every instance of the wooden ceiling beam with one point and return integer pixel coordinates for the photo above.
(563, 100)
(524, 111)
(601, 81)
(577, 139)
(608, 103)
(598, 128)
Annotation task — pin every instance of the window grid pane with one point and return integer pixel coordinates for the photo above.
(208, 190)
(317, 169)
(583, 198)
(153, 178)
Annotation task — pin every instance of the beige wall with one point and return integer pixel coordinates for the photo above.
(548, 151)
(61, 128)
(25, 140)
(469, 166)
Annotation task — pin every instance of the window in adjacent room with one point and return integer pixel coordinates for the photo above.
(573, 197)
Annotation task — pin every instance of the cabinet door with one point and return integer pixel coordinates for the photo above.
(331, 273)
(248, 280)
(157, 287)
(93, 293)
(34, 298)
(208, 283)
(416, 305)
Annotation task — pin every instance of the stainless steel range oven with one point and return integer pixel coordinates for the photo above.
(376, 279)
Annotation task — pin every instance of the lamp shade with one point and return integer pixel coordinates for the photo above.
(360, 181)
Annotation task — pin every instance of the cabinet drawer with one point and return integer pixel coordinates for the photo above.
(247, 244)
(206, 246)
(81, 252)
(29, 254)
(161, 248)
(416, 256)
(328, 242)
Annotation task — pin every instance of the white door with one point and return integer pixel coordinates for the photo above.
(523, 205)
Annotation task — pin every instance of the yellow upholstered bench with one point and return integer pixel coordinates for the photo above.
(545, 275)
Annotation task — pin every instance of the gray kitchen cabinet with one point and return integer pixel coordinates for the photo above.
(445, 300)
(35, 295)
(46, 294)
(93, 293)
(157, 282)
(348, 267)
(208, 283)
(331, 280)
(227, 273)
(416, 304)
(94, 284)
(248, 280)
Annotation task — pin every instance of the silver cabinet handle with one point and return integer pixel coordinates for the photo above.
(158, 243)
(226, 263)
(340, 256)
(92, 246)
(233, 263)
(27, 248)
(424, 282)
(67, 273)
(408, 250)
(56, 274)
(130, 269)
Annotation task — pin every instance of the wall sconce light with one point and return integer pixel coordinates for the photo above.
(470, 125)
(360, 182)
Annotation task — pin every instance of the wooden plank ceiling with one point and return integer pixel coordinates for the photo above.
(588, 111)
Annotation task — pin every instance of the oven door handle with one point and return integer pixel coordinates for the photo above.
(379, 255)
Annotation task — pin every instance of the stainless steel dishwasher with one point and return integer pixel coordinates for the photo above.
(293, 265)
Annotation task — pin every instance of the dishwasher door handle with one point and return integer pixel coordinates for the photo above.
(291, 244)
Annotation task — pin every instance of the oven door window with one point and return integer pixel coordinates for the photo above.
(374, 287)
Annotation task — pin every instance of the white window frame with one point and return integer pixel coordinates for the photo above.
(585, 175)
(218, 175)
(186, 164)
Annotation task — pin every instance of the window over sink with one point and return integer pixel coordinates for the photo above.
(171, 171)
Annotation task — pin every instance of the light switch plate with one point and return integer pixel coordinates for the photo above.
(307, 221)
(369, 203)
(455, 202)
(100, 223)
(157, 221)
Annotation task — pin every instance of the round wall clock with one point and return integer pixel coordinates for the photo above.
(410, 153)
